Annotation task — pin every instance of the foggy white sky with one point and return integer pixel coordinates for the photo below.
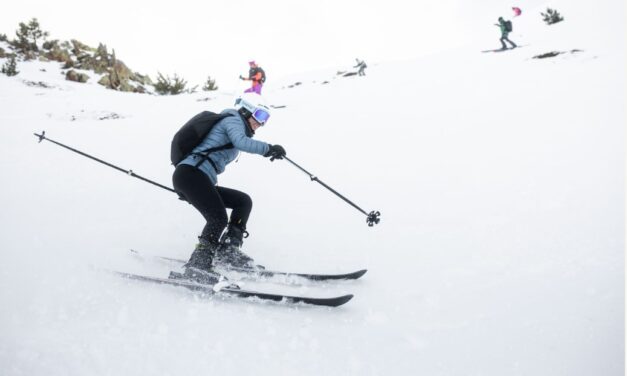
(218, 38)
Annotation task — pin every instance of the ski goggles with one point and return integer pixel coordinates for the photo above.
(261, 115)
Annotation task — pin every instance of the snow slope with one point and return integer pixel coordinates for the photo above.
(500, 179)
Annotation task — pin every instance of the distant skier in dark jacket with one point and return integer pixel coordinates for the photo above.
(362, 67)
(505, 30)
(257, 75)
(195, 180)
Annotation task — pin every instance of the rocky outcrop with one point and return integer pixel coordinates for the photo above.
(53, 51)
(75, 55)
(117, 75)
(73, 75)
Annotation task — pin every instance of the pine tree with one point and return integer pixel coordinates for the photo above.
(10, 67)
(210, 85)
(171, 86)
(22, 38)
(551, 16)
(35, 31)
(27, 36)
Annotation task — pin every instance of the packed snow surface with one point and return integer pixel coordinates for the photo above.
(500, 179)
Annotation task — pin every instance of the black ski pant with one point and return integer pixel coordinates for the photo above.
(195, 187)
(504, 38)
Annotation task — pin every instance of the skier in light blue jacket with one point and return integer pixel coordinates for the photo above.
(196, 176)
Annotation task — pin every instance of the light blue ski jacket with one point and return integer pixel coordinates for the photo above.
(231, 129)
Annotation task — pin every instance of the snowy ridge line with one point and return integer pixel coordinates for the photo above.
(334, 301)
(260, 273)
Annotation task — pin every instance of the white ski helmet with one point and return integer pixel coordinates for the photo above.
(253, 104)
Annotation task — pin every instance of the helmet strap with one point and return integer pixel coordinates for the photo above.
(246, 115)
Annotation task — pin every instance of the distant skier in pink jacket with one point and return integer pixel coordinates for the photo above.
(517, 11)
(257, 76)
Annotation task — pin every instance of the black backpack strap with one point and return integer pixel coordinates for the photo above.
(204, 155)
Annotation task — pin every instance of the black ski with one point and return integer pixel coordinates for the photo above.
(233, 290)
(504, 49)
(313, 277)
(257, 273)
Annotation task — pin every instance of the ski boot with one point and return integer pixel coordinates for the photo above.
(199, 268)
(230, 253)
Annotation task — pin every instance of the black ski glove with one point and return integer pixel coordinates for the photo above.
(275, 152)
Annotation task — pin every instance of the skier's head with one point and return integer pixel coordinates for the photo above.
(253, 108)
(500, 19)
(252, 63)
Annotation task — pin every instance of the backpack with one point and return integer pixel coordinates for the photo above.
(508, 26)
(192, 133)
(263, 75)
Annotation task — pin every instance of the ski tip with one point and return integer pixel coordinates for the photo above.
(343, 300)
(360, 273)
(335, 301)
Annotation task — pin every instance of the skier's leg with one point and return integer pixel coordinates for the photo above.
(240, 202)
(197, 189)
(504, 47)
(231, 254)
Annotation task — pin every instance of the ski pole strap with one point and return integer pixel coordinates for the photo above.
(42, 137)
(372, 218)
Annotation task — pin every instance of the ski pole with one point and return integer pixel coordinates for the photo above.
(372, 218)
(42, 137)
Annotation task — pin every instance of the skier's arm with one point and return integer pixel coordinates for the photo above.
(240, 141)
